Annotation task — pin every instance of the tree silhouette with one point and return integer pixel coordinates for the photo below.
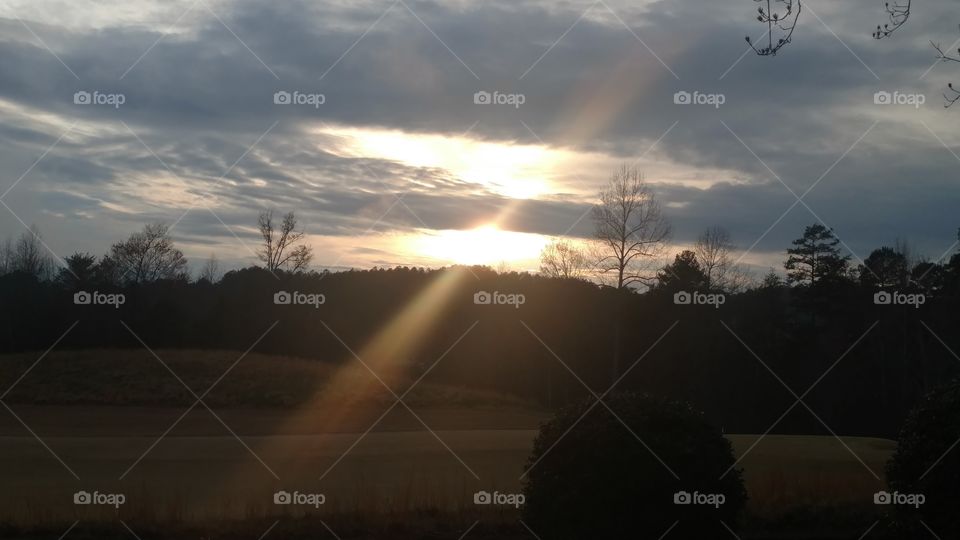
(885, 267)
(629, 227)
(147, 256)
(684, 274)
(815, 258)
(80, 270)
(210, 270)
(563, 259)
(29, 256)
(280, 250)
(714, 251)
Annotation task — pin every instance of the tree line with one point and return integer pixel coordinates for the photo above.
(817, 327)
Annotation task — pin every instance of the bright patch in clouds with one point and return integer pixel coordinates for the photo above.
(517, 171)
(484, 245)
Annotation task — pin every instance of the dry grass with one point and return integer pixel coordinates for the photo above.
(383, 478)
(286, 411)
(785, 472)
(136, 377)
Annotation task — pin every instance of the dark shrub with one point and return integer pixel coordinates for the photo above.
(600, 482)
(927, 463)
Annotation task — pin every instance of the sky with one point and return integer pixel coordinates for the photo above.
(437, 132)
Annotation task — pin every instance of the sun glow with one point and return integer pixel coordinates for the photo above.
(517, 171)
(484, 245)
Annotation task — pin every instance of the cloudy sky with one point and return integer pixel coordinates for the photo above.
(362, 117)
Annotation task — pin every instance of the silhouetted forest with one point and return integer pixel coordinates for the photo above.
(805, 329)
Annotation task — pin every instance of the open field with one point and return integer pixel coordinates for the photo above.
(199, 471)
(187, 465)
(137, 377)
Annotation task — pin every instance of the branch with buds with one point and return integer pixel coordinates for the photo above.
(783, 22)
(952, 95)
(898, 14)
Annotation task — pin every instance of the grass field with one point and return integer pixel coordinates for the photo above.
(137, 377)
(227, 465)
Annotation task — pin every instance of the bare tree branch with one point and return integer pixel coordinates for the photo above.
(898, 14)
(782, 23)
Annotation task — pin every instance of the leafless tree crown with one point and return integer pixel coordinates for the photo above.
(148, 255)
(563, 259)
(714, 251)
(281, 249)
(630, 228)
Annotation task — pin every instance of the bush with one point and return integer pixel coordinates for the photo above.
(927, 462)
(599, 481)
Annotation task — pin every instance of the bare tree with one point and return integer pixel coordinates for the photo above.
(782, 23)
(280, 249)
(714, 251)
(148, 256)
(563, 259)
(630, 228)
(898, 14)
(210, 270)
(6, 257)
(28, 255)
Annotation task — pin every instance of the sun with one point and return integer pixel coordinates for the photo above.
(486, 245)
